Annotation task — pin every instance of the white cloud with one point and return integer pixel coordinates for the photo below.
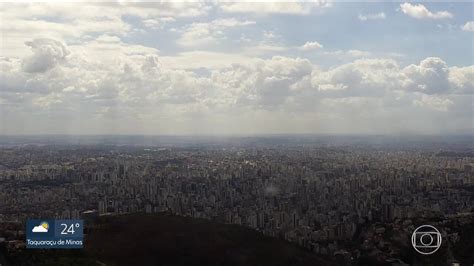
(363, 77)
(84, 70)
(107, 51)
(205, 33)
(73, 11)
(152, 23)
(47, 53)
(344, 54)
(39, 229)
(203, 59)
(270, 44)
(358, 53)
(469, 26)
(430, 76)
(419, 11)
(48, 100)
(264, 83)
(269, 34)
(462, 80)
(377, 77)
(105, 82)
(439, 103)
(311, 46)
(376, 16)
(199, 34)
(108, 38)
(295, 8)
(74, 21)
(263, 48)
(230, 22)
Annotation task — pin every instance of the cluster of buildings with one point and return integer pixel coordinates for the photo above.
(316, 196)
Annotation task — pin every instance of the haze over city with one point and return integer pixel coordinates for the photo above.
(236, 68)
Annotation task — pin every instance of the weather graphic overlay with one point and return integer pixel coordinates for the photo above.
(54, 234)
(42, 228)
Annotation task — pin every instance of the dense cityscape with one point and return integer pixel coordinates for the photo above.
(323, 196)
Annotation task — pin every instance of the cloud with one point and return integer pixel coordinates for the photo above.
(377, 16)
(48, 100)
(438, 103)
(230, 22)
(262, 84)
(203, 59)
(108, 39)
(430, 76)
(469, 26)
(358, 53)
(205, 33)
(462, 80)
(74, 21)
(377, 77)
(419, 11)
(342, 54)
(47, 53)
(294, 8)
(270, 44)
(263, 48)
(84, 70)
(363, 77)
(39, 229)
(310, 46)
(152, 23)
(113, 86)
(151, 63)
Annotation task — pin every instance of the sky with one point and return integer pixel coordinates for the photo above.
(163, 68)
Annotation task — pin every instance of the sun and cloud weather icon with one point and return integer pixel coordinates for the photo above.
(41, 228)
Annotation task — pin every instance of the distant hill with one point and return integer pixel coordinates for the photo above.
(161, 239)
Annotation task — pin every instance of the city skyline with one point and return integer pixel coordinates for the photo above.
(352, 202)
(324, 67)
